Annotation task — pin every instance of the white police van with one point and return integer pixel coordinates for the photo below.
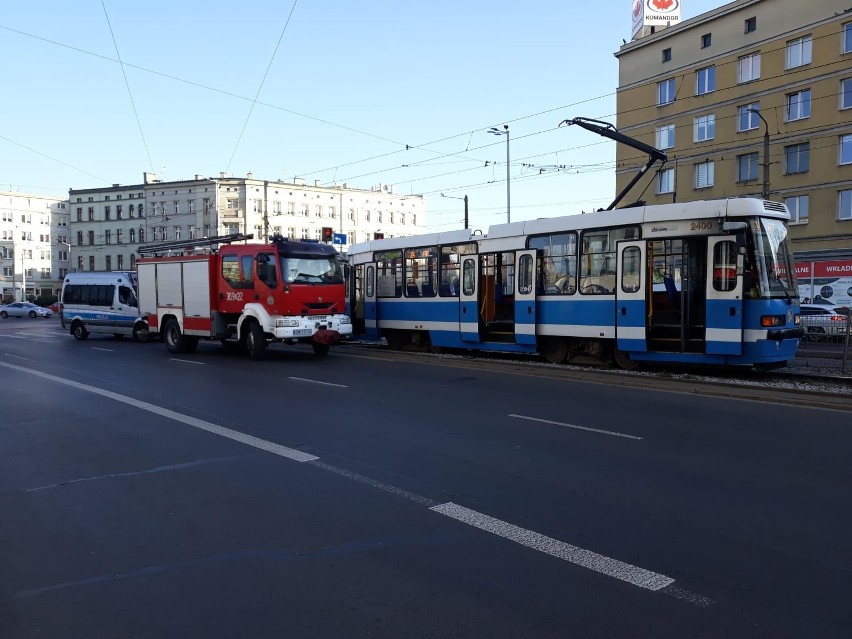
(101, 302)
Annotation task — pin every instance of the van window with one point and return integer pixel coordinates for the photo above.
(126, 296)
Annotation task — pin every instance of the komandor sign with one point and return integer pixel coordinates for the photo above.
(661, 12)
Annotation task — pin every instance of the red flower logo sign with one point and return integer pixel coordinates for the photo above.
(663, 6)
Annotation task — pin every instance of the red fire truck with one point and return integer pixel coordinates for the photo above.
(250, 294)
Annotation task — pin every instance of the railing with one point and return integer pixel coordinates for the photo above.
(827, 340)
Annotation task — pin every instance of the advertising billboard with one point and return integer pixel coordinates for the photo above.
(828, 282)
(660, 12)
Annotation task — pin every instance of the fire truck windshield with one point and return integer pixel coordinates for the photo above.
(321, 269)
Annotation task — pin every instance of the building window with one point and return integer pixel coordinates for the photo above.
(91, 262)
(845, 149)
(107, 237)
(233, 204)
(667, 54)
(747, 167)
(119, 236)
(799, 52)
(704, 128)
(120, 265)
(91, 214)
(845, 205)
(750, 25)
(846, 93)
(133, 236)
(746, 118)
(109, 262)
(797, 158)
(79, 213)
(799, 105)
(847, 37)
(706, 40)
(665, 92)
(798, 207)
(704, 174)
(118, 213)
(305, 212)
(666, 136)
(748, 68)
(665, 181)
(705, 80)
(91, 238)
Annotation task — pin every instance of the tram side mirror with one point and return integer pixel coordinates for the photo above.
(739, 229)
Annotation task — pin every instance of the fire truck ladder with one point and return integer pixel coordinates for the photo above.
(609, 131)
(182, 245)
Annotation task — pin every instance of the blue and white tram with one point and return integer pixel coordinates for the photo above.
(707, 282)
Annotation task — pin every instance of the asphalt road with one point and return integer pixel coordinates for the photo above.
(368, 495)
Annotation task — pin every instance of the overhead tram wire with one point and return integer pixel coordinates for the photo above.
(263, 80)
(127, 84)
(53, 159)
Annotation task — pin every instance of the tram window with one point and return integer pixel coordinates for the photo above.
(370, 271)
(557, 274)
(389, 274)
(631, 271)
(725, 266)
(597, 261)
(421, 266)
(469, 279)
(525, 274)
(449, 267)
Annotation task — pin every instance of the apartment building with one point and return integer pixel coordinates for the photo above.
(107, 225)
(34, 248)
(715, 91)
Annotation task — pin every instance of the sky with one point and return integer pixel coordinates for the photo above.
(96, 92)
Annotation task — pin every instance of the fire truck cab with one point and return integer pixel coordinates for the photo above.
(245, 293)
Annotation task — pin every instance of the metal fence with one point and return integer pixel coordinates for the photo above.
(826, 343)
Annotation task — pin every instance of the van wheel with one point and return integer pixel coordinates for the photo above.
(255, 341)
(173, 337)
(32, 315)
(141, 334)
(4, 314)
(79, 331)
(320, 349)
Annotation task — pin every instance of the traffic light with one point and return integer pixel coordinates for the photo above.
(378, 236)
(327, 234)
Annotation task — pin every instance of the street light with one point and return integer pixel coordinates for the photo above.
(765, 152)
(495, 131)
(465, 205)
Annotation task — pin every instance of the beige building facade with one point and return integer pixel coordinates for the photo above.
(108, 225)
(714, 91)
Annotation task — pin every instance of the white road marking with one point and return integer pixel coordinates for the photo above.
(314, 381)
(591, 430)
(26, 359)
(186, 361)
(106, 350)
(248, 440)
(578, 556)
(12, 336)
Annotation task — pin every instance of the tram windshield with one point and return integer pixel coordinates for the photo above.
(315, 269)
(773, 275)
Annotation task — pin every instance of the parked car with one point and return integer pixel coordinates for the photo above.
(24, 309)
(823, 322)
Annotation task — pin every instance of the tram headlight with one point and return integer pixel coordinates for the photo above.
(768, 321)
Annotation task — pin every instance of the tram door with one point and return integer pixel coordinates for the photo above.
(630, 297)
(371, 309)
(468, 295)
(724, 334)
(525, 319)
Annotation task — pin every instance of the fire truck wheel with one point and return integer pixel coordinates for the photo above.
(255, 341)
(172, 336)
(320, 349)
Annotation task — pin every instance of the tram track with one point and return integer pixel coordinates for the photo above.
(787, 388)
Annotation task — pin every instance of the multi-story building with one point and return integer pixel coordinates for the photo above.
(716, 90)
(109, 224)
(34, 250)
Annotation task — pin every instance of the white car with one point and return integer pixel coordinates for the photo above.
(24, 309)
(822, 322)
